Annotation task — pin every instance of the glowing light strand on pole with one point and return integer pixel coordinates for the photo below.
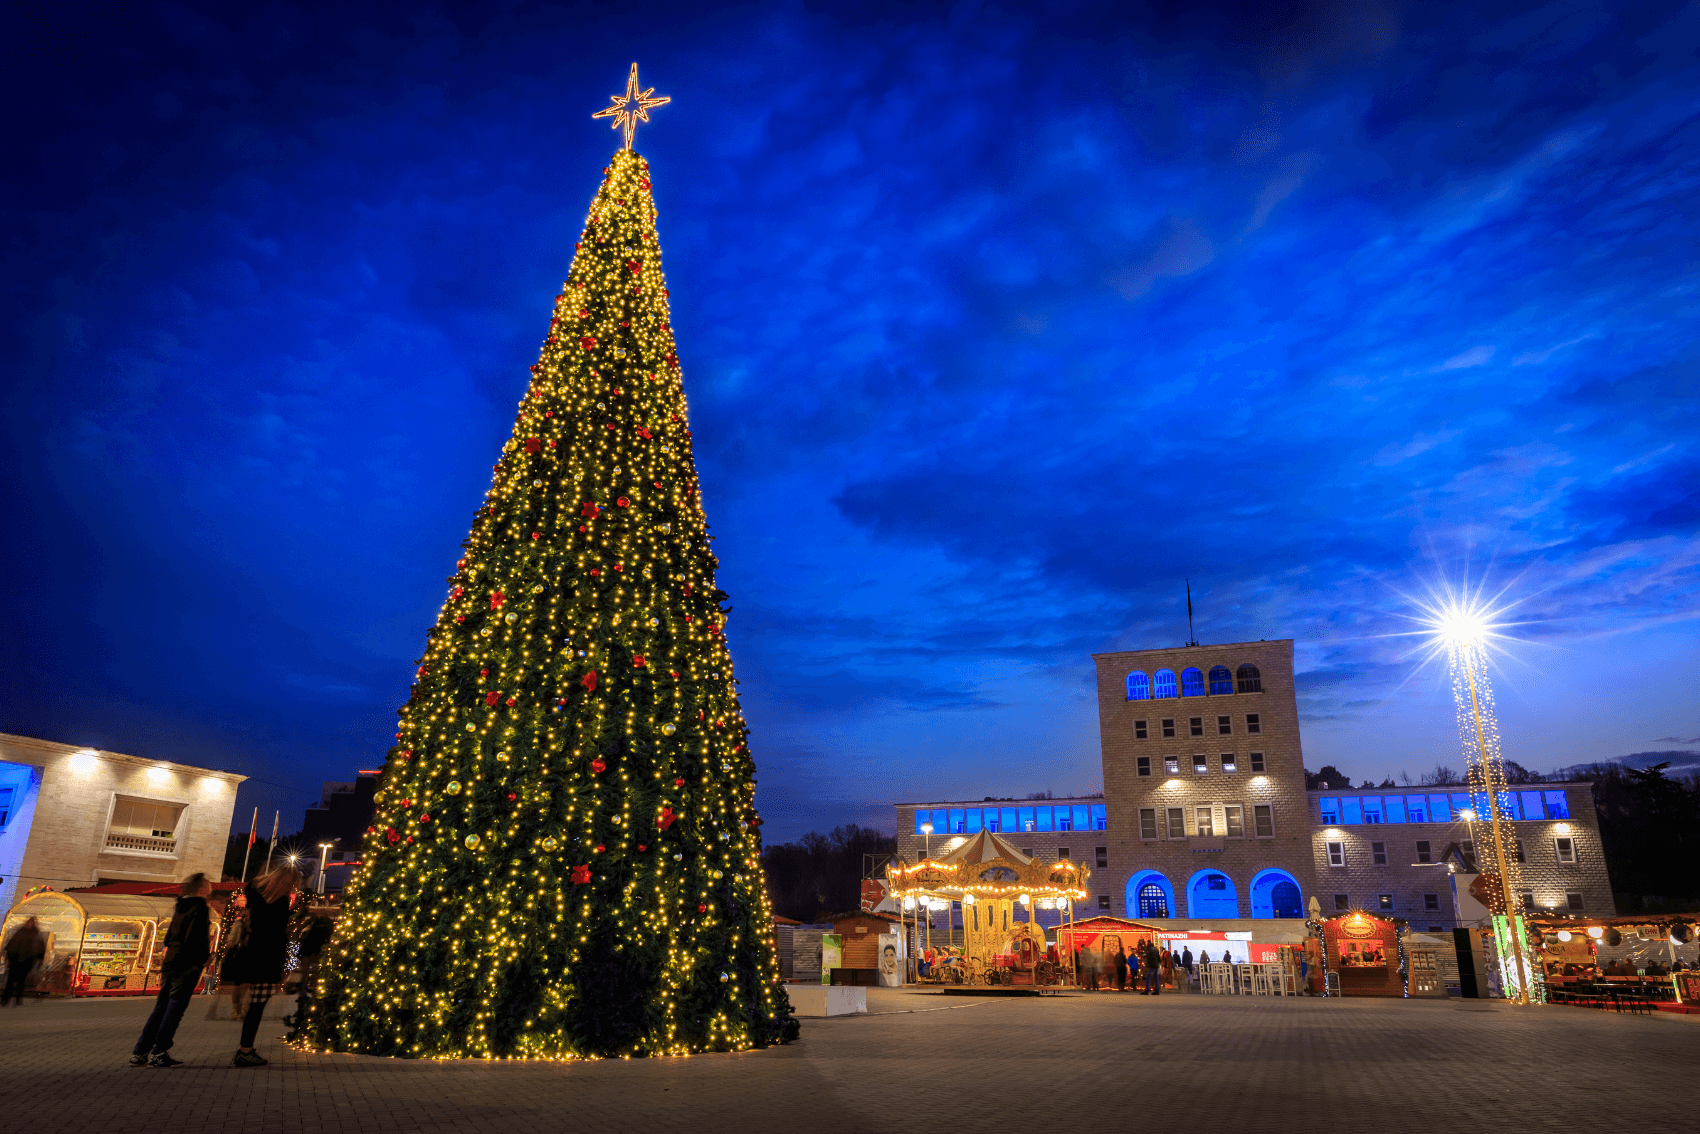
(1478, 734)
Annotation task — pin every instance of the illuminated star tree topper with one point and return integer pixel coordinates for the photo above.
(629, 109)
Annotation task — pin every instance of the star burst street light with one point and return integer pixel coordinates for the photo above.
(1466, 629)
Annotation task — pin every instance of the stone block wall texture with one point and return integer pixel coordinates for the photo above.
(1364, 881)
(61, 840)
(1280, 785)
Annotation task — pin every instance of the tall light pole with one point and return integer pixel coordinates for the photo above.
(324, 853)
(927, 834)
(1465, 636)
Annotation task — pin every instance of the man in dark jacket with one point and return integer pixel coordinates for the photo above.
(1153, 966)
(187, 946)
(24, 949)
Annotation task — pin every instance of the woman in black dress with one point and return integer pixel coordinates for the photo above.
(259, 963)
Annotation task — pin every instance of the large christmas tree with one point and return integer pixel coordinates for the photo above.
(565, 859)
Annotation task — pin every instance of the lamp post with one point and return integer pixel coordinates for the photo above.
(324, 853)
(927, 834)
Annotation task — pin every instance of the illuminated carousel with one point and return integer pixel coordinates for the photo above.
(1001, 891)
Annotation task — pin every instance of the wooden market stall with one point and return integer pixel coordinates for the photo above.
(860, 933)
(1364, 950)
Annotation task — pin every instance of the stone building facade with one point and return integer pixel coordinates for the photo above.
(1205, 815)
(1395, 850)
(72, 816)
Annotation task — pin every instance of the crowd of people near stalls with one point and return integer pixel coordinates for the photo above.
(1146, 968)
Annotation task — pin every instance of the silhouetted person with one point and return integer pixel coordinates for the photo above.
(24, 950)
(188, 944)
(1153, 971)
(259, 964)
(1121, 969)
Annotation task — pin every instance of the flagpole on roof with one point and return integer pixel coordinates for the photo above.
(253, 834)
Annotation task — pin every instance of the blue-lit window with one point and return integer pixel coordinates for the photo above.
(1532, 806)
(1192, 682)
(1439, 809)
(1064, 819)
(1221, 681)
(1372, 809)
(1330, 809)
(1479, 804)
(1026, 820)
(958, 819)
(1138, 686)
(1216, 882)
(1100, 818)
(1082, 817)
(1165, 683)
(1395, 805)
(1249, 679)
(1351, 809)
(1416, 808)
(922, 815)
(1460, 803)
(1509, 806)
(1044, 815)
(973, 821)
(1006, 819)
(1558, 805)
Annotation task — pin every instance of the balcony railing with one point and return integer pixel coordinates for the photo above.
(144, 843)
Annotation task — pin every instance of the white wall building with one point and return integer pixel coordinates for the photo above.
(73, 816)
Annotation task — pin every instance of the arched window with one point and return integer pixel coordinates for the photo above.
(1153, 902)
(1250, 680)
(1221, 680)
(1166, 683)
(1138, 686)
(1192, 682)
(1285, 901)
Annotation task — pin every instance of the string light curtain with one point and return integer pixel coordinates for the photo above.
(564, 861)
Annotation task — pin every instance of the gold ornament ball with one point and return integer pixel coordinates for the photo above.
(669, 729)
(472, 842)
(452, 787)
(550, 843)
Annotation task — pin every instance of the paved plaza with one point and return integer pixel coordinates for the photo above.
(1182, 1062)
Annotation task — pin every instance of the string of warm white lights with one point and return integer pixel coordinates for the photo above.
(564, 861)
(1465, 632)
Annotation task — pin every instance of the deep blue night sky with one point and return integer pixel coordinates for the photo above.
(996, 327)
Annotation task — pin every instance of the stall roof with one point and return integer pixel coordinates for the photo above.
(105, 905)
(1268, 930)
(984, 847)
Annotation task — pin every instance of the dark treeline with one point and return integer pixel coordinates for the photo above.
(1650, 826)
(823, 873)
(1331, 778)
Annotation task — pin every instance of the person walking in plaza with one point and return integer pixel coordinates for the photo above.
(1121, 969)
(1153, 967)
(1133, 967)
(259, 963)
(24, 950)
(188, 944)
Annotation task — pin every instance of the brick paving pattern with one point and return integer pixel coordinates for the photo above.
(1199, 1063)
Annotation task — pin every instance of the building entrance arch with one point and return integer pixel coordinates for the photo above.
(1276, 893)
(1150, 894)
(1212, 894)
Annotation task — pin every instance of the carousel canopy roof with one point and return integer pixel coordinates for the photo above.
(984, 847)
